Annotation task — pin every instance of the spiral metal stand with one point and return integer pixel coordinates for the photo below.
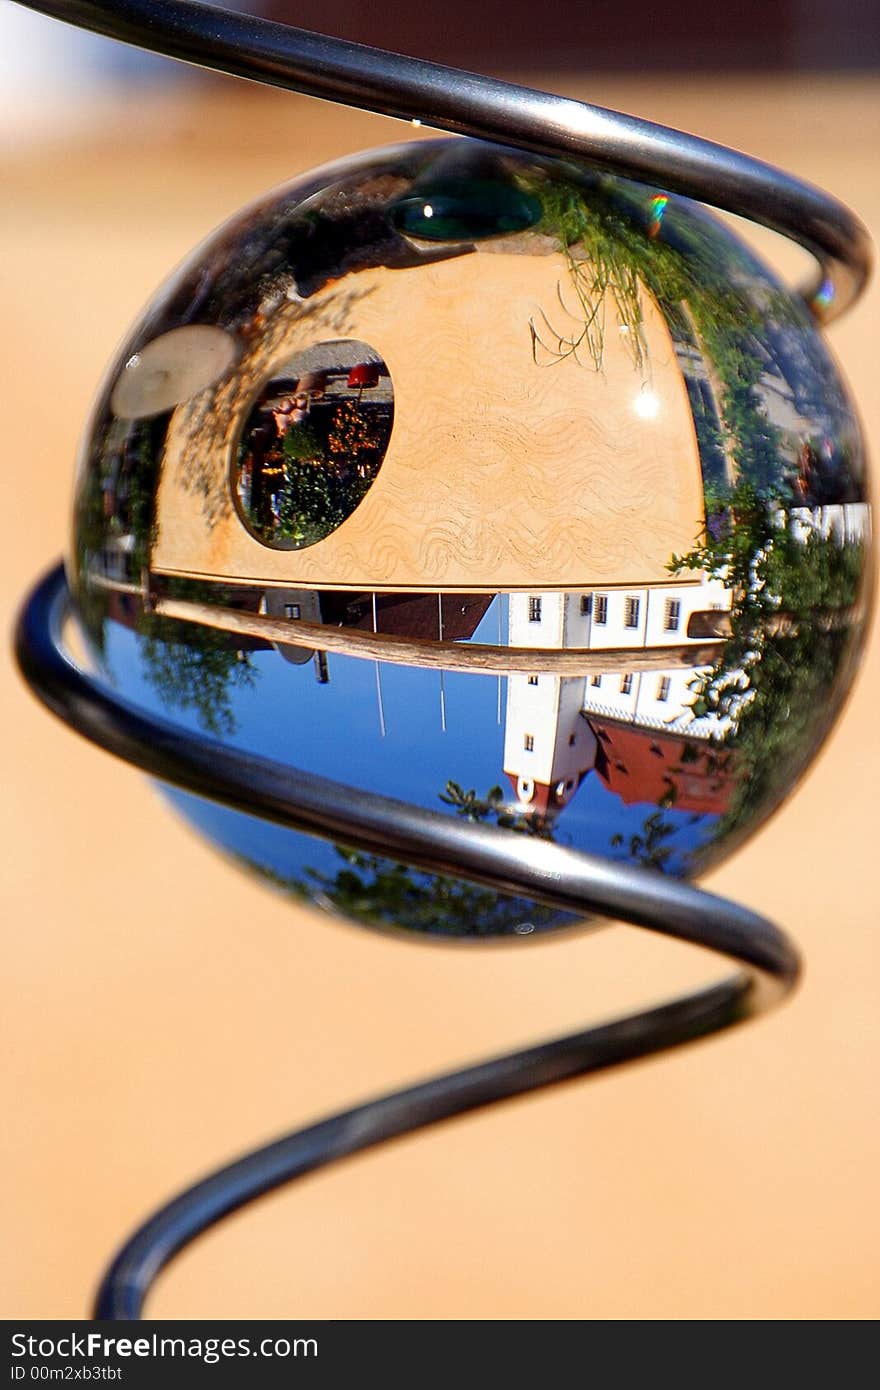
(551, 874)
(548, 873)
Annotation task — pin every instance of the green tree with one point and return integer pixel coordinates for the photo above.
(194, 668)
(794, 620)
(492, 807)
(317, 499)
(130, 453)
(650, 847)
(385, 893)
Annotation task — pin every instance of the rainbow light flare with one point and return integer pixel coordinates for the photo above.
(658, 206)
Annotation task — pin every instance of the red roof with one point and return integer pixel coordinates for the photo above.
(644, 765)
(408, 615)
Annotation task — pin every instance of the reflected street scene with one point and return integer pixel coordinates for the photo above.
(313, 444)
(525, 496)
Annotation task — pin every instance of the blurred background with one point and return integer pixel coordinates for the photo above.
(163, 1013)
(497, 36)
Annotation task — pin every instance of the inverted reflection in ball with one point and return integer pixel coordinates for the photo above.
(491, 488)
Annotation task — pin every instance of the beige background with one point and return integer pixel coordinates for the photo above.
(162, 1013)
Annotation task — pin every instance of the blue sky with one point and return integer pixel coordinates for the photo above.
(334, 730)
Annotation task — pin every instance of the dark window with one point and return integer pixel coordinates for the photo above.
(600, 611)
(529, 743)
(663, 688)
(535, 609)
(292, 610)
(672, 616)
(626, 684)
(533, 680)
(586, 605)
(631, 612)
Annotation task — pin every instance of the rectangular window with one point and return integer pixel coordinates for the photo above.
(626, 684)
(596, 681)
(529, 743)
(586, 605)
(533, 680)
(631, 612)
(572, 740)
(535, 609)
(291, 610)
(663, 688)
(600, 609)
(672, 616)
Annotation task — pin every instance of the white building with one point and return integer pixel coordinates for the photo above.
(847, 523)
(549, 745)
(645, 619)
(113, 560)
(294, 605)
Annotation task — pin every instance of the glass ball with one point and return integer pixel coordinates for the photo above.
(493, 484)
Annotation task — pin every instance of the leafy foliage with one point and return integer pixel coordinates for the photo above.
(651, 847)
(316, 500)
(386, 893)
(493, 807)
(793, 620)
(124, 467)
(383, 892)
(321, 470)
(612, 249)
(194, 668)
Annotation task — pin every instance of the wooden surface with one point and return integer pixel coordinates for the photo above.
(446, 656)
(162, 1013)
(500, 473)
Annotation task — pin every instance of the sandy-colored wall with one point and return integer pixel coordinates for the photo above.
(161, 1013)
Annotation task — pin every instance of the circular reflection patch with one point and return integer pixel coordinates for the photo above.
(313, 443)
(171, 369)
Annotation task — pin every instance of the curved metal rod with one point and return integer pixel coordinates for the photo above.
(569, 880)
(549, 873)
(128, 1279)
(467, 104)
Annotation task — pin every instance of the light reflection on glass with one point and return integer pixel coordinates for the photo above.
(601, 583)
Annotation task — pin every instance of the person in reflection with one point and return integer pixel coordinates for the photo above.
(281, 415)
(291, 410)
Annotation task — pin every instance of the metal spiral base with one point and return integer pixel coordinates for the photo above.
(551, 874)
